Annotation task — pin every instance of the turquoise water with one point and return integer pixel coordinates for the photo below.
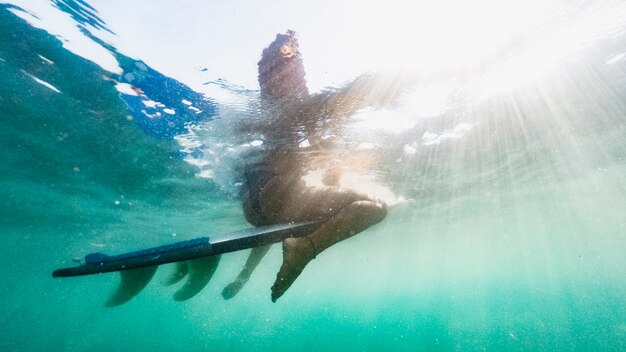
(513, 238)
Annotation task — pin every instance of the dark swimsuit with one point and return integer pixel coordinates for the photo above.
(256, 176)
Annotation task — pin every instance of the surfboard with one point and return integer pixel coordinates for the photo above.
(96, 263)
(196, 260)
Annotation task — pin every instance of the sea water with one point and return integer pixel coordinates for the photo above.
(510, 233)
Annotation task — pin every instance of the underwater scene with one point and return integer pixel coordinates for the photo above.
(480, 146)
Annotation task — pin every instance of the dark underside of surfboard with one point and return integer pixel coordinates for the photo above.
(196, 259)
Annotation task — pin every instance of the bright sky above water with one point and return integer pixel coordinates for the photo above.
(339, 40)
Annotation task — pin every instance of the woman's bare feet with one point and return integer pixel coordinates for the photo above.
(297, 253)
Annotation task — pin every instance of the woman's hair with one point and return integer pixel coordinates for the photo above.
(281, 72)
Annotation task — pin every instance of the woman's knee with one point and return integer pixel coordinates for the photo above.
(374, 211)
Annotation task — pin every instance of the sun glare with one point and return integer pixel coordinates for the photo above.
(436, 33)
(426, 34)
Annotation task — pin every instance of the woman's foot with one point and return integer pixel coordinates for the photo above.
(233, 288)
(297, 253)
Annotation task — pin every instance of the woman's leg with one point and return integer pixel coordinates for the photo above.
(348, 213)
(254, 258)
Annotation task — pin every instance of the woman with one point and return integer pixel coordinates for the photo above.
(274, 191)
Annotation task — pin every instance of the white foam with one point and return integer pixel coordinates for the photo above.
(409, 149)
(126, 88)
(42, 82)
(150, 103)
(430, 138)
(45, 59)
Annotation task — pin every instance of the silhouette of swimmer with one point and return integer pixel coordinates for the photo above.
(274, 191)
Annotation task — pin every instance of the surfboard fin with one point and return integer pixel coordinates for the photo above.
(200, 272)
(180, 271)
(133, 281)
